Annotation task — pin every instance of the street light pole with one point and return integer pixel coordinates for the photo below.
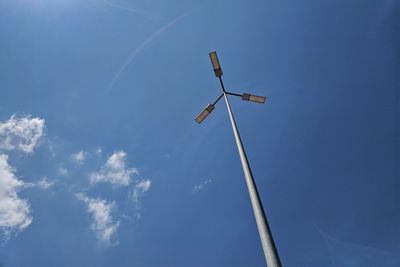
(268, 244)
(267, 241)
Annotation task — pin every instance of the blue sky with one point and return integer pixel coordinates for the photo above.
(102, 163)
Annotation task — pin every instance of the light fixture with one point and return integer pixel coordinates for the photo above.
(215, 63)
(270, 251)
(205, 113)
(254, 98)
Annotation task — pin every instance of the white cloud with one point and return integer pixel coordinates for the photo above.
(140, 188)
(141, 47)
(45, 183)
(80, 156)
(201, 186)
(138, 191)
(51, 148)
(22, 133)
(62, 171)
(99, 150)
(100, 211)
(114, 171)
(15, 214)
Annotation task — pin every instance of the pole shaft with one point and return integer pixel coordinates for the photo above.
(268, 244)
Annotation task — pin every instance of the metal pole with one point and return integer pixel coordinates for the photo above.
(268, 244)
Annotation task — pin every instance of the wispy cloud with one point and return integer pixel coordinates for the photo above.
(99, 151)
(15, 214)
(63, 171)
(140, 188)
(21, 133)
(201, 186)
(102, 222)
(80, 157)
(141, 47)
(137, 193)
(114, 171)
(344, 253)
(45, 183)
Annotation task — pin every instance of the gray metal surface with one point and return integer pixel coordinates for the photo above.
(268, 244)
